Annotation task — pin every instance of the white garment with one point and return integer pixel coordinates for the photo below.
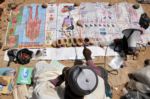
(43, 89)
(133, 38)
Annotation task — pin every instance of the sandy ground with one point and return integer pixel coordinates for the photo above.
(116, 81)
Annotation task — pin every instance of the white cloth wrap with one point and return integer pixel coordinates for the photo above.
(43, 89)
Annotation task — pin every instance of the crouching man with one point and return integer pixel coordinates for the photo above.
(54, 81)
(82, 81)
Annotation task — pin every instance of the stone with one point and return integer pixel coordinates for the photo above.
(5, 48)
(110, 4)
(12, 6)
(1, 11)
(1, 1)
(136, 6)
(44, 5)
(79, 23)
(1, 44)
(76, 4)
(8, 19)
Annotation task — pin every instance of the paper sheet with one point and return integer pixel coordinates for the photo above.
(116, 62)
(70, 53)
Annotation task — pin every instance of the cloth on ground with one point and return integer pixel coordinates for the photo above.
(134, 85)
(7, 71)
(43, 89)
(140, 82)
(143, 75)
(135, 95)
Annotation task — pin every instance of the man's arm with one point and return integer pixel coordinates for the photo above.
(61, 78)
(87, 54)
(57, 81)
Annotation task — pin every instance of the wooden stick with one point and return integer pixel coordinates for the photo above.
(15, 93)
(22, 91)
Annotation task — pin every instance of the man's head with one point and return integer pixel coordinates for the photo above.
(81, 81)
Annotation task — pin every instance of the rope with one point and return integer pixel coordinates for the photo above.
(113, 71)
(57, 4)
(76, 57)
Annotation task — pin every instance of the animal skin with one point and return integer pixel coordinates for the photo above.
(33, 25)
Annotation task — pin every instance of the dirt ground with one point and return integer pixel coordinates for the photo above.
(116, 81)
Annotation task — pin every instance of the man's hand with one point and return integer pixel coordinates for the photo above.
(87, 53)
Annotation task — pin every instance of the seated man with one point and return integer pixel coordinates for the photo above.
(74, 89)
(79, 81)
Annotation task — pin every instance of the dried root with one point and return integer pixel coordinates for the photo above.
(72, 42)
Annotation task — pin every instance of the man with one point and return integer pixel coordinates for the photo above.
(73, 92)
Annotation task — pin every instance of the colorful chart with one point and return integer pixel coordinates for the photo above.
(32, 26)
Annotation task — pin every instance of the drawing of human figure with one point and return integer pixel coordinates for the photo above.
(48, 37)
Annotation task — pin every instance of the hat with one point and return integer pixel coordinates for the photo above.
(82, 80)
